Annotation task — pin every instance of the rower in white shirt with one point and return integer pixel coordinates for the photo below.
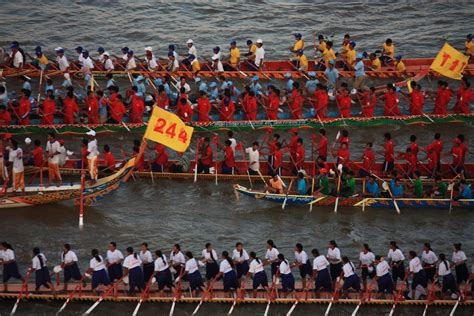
(162, 272)
(132, 265)
(383, 277)
(16, 57)
(287, 278)
(183, 84)
(80, 57)
(209, 258)
(254, 159)
(303, 263)
(97, 268)
(240, 257)
(63, 65)
(101, 52)
(42, 276)
(271, 256)
(108, 64)
(351, 279)
(150, 59)
(114, 262)
(92, 155)
(459, 261)
(10, 267)
(446, 275)
(86, 68)
(216, 60)
(334, 258)
(131, 63)
(191, 48)
(226, 268)
(177, 260)
(191, 270)
(322, 277)
(429, 260)
(258, 273)
(366, 261)
(418, 275)
(259, 54)
(69, 265)
(147, 260)
(396, 258)
(173, 64)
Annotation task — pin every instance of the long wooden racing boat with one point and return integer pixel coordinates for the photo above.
(271, 69)
(41, 194)
(245, 125)
(329, 200)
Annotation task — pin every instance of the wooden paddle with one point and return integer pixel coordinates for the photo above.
(274, 289)
(430, 297)
(242, 293)
(24, 288)
(206, 293)
(143, 296)
(339, 177)
(399, 294)
(107, 293)
(303, 293)
(71, 295)
(178, 291)
(287, 193)
(364, 297)
(463, 294)
(335, 294)
(451, 184)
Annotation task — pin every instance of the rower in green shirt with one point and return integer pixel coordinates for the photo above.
(350, 184)
(323, 184)
(417, 185)
(440, 188)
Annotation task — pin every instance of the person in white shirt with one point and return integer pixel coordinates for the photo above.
(114, 262)
(233, 141)
(63, 65)
(132, 266)
(334, 258)
(147, 260)
(226, 268)
(162, 272)
(271, 256)
(254, 159)
(52, 150)
(351, 279)
(92, 155)
(259, 54)
(303, 263)
(366, 261)
(209, 258)
(459, 259)
(257, 271)
(382, 275)
(69, 266)
(287, 278)
(191, 270)
(429, 260)
(446, 276)
(97, 268)
(131, 64)
(191, 48)
(15, 157)
(177, 260)
(16, 57)
(63, 156)
(418, 275)
(101, 52)
(216, 60)
(87, 63)
(108, 64)
(173, 64)
(322, 278)
(240, 258)
(80, 57)
(10, 267)
(183, 84)
(150, 59)
(397, 259)
(42, 276)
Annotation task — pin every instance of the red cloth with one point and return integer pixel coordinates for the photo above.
(204, 107)
(109, 161)
(136, 110)
(93, 109)
(38, 156)
(161, 155)
(388, 151)
(391, 104)
(24, 108)
(417, 101)
(229, 157)
(162, 100)
(273, 106)
(5, 118)
(227, 109)
(49, 109)
(70, 108)
(344, 103)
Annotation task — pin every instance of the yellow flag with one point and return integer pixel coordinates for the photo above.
(166, 128)
(410, 88)
(450, 62)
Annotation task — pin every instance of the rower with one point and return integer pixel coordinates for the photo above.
(396, 188)
(227, 107)
(466, 98)
(383, 277)
(16, 58)
(303, 263)
(334, 258)
(399, 64)
(132, 265)
(351, 279)
(108, 64)
(359, 80)
(191, 50)
(311, 83)
(177, 260)
(465, 191)
(290, 81)
(443, 96)
(172, 50)
(52, 150)
(216, 60)
(271, 255)
(469, 46)
(255, 86)
(299, 44)
(388, 51)
(459, 262)
(40, 61)
(123, 60)
(428, 261)
(251, 53)
(332, 74)
(327, 55)
(273, 103)
(5, 117)
(299, 156)
(17, 169)
(445, 276)
(458, 153)
(202, 85)
(183, 84)
(418, 276)
(344, 102)
(276, 185)
(130, 63)
(321, 101)
(323, 144)
(254, 157)
(228, 164)
(345, 46)
(366, 263)
(98, 271)
(69, 265)
(195, 65)
(240, 258)
(26, 82)
(161, 158)
(87, 67)
(114, 262)
(368, 102)
(287, 278)
(234, 57)
(257, 271)
(227, 270)
(276, 166)
(151, 63)
(10, 266)
(302, 61)
(249, 104)
(376, 64)
(79, 50)
(92, 155)
(259, 54)
(397, 259)
(417, 99)
(137, 106)
(295, 102)
(350, 57)
(302, 188)
(147, 260)
(162, 272)
(38, 264)
(391, 101)
(24, 108)
(204, 156)
(191, 272)
(321, 275)
(109, 160)
(101, 52)
(417, 184)
(209, 258)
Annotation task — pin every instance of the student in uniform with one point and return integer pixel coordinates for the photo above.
(271, 256)
(396, 258)
(240, 258)
(447, 278)
(334, 258)
(257, 271)
(384, 280)
(428, 261)
(209, 258)
(114, 262)
(132, 264)
(147, 260)
(97, 268)
(226, 269)
(10, 267)
(303, 263)
(192, 272)
(15, 157)
(418, 274)
(38, 264)
(351, 279)
(459, 262)
(321, 275)
(162, 272)
(287, 278)
(366, 263)
(69, 265)
(177, 260)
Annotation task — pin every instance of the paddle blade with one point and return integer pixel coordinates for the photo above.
(284, 204)
(328, 309)
(267, 309)
(396, 206)
(354, 313)
(172, 308)
(336, 204)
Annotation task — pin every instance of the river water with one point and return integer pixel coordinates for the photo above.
(193, 214)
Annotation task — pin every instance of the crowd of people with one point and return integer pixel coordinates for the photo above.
(368, 271)
(96, 104)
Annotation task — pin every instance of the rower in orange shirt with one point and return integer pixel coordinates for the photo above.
(415, 149)
(323, 144)
(411, 161)
(295, 102)
(203, 107)
(37, 154)
(321, 101)
(137, 107)
(273, 104)
(342, 155)
(228, 164)
(417, 99)
(298, 159)
(344, 138)
(461, 89)
(109, 159)
(117, 109)
(391, 101)
(5, 117)
(49, 109)
(343, 101)
(184, 110)
(92, 107)
(368, 161)
(466, 98)
(249, 106)
(227, 107)
(162, 99)
(71, 108)
(293, 145)
(24, 107)
(443, 96)
(368, 102)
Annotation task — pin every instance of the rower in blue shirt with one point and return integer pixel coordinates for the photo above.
(302, 188)
(371, 186)
(214, 92)
(289, 83)
(332, 74)
(202, 84)
(255, 86)
(312, 83)
(359, 73)
(26, 82)
(465, 191)
(140, 84)
(396, 187)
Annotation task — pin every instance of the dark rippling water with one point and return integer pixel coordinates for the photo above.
(180, 211)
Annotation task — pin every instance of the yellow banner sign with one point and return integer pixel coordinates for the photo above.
(450, 62)
(166, 128)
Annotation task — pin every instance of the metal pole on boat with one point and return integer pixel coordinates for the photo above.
(81, 199)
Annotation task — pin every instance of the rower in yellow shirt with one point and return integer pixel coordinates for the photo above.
(328, 54)
(234, 59)
(195, 65)
(376, 64)
(350, 56)
(251, 53)
(302, 61)
(299, 44)
(388, 52)
(40, 61)
(469, 45)
(345, 46)
(322, 43)
(399, 64)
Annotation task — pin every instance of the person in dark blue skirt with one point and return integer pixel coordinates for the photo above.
(114, 262)
(351, 279)
(69, 265)
(322, 277)
(192, 272)
(447, 277)
(287, 278)
(132, 265)
(10, 267)
(418, 274)
(209, 258)
(226, 268)
(38, 264)
(241, 260)
(147, 259)
(459, 259)
(271, 256)
(383, 277)
(303, 263)
(98, 270)
(334, 258)
(258, 274)
(162, 272)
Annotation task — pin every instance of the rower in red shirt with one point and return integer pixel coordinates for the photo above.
(117, 110)
(411, 161)
(162, 99)
(461, 89)
(437, 147)
(443, 97)
(433, 160)
(323, 144)
(250, 108)
(342, 155)
(271, 149)
(204, 156)
(458, 156)
(70, 108)
(391, 101)
(414, 146)
(92, 107)
(161, 158)
(368, 161)
(38, 154)
(228, 164)
(109, 159)
(321, 101)
(273, 104)
(227, 108)
(417, 100)
(295, 102)
(388, 153)
(24, 107)
(203, 107)
(49, 109)
(137, 107)
(344, 138)
(5, 117)
(293, 142)
(184, 110)
(343, 101)
(277, 160)
(466, 98)
(368, 102)
(299, 156)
